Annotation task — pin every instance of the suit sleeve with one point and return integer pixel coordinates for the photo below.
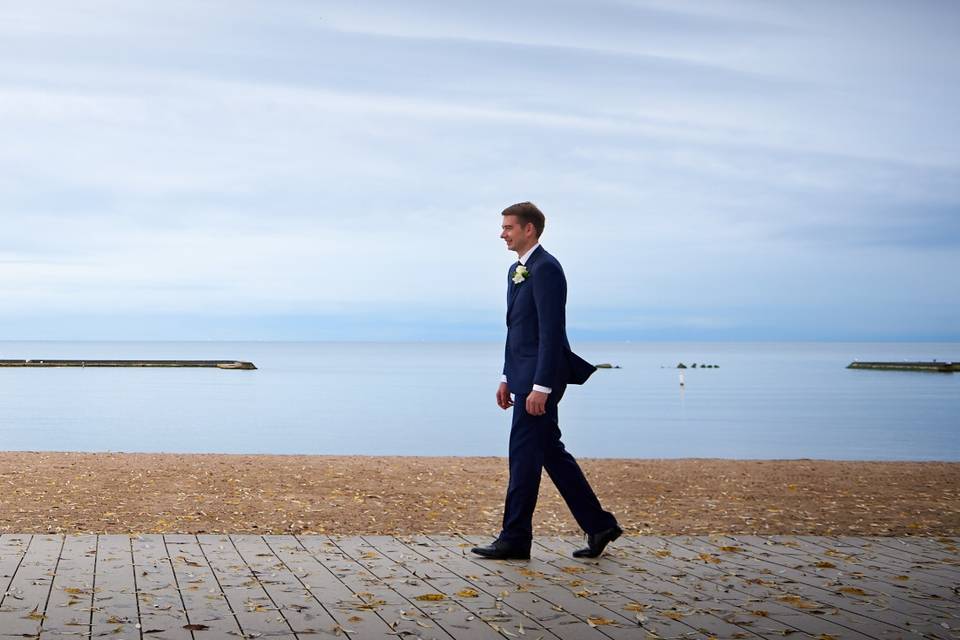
(550, 296)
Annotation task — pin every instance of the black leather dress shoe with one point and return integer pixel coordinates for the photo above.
(500, 550)
(597, 542)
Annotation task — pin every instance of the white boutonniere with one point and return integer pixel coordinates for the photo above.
(520, 274)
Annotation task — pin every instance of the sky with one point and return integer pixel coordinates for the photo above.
(308, 170)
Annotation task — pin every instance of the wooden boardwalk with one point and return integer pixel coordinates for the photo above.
(187, 587)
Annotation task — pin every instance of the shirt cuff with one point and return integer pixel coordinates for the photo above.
(537, 387)
(503, 379)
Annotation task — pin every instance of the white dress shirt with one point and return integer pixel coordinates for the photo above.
(523, 261)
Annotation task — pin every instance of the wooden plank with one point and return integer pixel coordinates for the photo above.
(928, 569)
(836, 567)
(756, 593)
(914, 546)
(797, 583)
(203, 599)
(368, 587)
(256, 612)
(483, 604)
(665, 599)
(945, 549)
(875, 622)
(13, 548)
(858, 551)
(534, 612)
(158, 597)
(487, 605)
(533, 577)
(26, 603)
(938, 541)
(71, 597)
(115, 610)
(349, 549)
(455, 614)
(287, 592)
(358, 614)
(361, 587)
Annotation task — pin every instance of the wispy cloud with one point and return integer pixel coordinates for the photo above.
(352, 159)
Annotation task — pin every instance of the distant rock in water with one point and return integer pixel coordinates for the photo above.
(607, 365)
(681, 366)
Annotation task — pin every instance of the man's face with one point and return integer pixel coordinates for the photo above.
(517, 236)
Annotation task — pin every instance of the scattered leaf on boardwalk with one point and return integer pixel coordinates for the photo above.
(431, 597)
(798, 602)
(596, 621)
(468, 593)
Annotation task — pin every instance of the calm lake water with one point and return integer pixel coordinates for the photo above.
(767, 400)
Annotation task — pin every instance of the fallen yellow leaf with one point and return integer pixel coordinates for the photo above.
(798, 602)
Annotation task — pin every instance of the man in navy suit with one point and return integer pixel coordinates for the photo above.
(538, 365)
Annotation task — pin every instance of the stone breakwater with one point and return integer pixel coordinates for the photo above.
(212, 364)
(941, 367)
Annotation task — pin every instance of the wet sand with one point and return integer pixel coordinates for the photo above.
(200, 493)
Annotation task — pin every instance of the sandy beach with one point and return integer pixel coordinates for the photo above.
(165, 493)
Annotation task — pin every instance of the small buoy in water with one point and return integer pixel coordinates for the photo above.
(682, 382)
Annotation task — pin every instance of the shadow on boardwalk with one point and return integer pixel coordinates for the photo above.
(246, 586)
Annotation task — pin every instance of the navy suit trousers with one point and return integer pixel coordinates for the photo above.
(535, 445)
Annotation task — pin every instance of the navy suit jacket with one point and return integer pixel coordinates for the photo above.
(537, 349)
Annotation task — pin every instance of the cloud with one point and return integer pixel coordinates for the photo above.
(350, 159)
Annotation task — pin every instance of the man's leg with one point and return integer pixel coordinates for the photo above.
(526, 466)
(569, 479)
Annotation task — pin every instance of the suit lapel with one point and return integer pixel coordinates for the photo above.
(515, 288)
(512, 290)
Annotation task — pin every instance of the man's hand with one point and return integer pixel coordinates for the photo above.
(537, 403)
(503, 396)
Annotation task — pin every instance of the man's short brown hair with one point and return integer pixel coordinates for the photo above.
(527, 213)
